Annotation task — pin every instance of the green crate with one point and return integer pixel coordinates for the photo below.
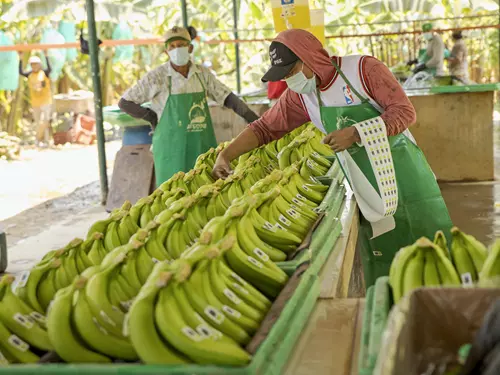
(274, 350)
(115, 116)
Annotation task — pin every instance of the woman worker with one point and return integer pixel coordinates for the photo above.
(359, 105)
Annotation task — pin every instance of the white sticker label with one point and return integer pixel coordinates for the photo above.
(297, 202)
(301, 197)
(214, 314)
(293, 213)
(238, 278)
(466, 279)
(17, 343)
(232, 297)
(204, 331)
(305, 188)
(318, 209)
(191, 333)
(155, 260)
(269, 226)
(285, 221)
(23, 320)
(23, 279)
(126, 304)
(280, 227)
(261, 254)
(240, 288)
(231, 311)
(255, 262)
(38, 317)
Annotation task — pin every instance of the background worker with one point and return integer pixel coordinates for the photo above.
(179, 113)
(41, 96)
(432, 59)
(340, 96)
(457, 61)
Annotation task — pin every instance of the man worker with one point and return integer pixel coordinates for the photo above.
(458, 59)
(432, 61)
(41, 96)
(179, 113)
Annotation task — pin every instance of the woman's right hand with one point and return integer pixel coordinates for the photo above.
(222, 167)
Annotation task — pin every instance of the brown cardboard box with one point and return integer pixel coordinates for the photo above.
(430, 326)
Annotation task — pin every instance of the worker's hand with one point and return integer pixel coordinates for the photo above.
(222, 167)
(419, 68)
(340, 140)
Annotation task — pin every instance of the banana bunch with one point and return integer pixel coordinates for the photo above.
(196, 309)
(468, 255)
(421, 264)
(56, 270)
(23, 333)
(77, 328)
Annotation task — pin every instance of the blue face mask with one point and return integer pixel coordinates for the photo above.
(300, 83)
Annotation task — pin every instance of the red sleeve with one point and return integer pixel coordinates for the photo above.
(286, 115)
(383, 87)
(275, 89)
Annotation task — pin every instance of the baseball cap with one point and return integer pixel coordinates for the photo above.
(282, 61)
(177, 33)
(34, 60)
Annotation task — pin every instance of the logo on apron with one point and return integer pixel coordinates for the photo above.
(348, 94)
(197, 118)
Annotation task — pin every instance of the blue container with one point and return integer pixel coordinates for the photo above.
(137, 135)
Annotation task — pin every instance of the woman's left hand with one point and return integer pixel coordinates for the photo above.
(340, 140)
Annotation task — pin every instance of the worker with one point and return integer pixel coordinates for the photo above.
(41, 96)
(343, 96)
(275, 90)
(179, 113)
(432, 60)
(458, 59)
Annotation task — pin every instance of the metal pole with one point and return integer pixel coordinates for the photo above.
(184, 13)
(96, 80)
(237, 46)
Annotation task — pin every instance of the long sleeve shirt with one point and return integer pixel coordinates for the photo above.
(289, 113)
(435, 50)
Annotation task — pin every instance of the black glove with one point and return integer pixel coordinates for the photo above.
(412, 62)
(152, 118)
(419, 68)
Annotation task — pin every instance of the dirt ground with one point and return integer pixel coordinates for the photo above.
(47, 186)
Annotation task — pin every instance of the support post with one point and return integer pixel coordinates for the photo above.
(96, 81)
(237, 46)
(184, 13)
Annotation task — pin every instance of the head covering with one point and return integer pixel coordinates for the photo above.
(177, 33)
(457, 34)
(310, 51)
(426, 27)
(282, 61)
(34, 60)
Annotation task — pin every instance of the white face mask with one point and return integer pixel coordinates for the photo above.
(428, 36)
(179, 56)
(300, 83)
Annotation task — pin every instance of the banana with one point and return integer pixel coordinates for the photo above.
(200, 349)
(123, 231)
(463, 260)
(491, 267)
(143, 264)
(398, 270)
(97, 250)
(476, 249)
(95, 335)
(431, 275)
(154, 246)
(46, 289)
(61, 332)
(27, 286)
(253, 245)
(136, 210)
(157, 206)
(413, 276)
(141, 327)
(146, 216)
(99, 227)
(14, 348)
(82, 260)
(214, 230)
(13, 314)
(129, 271)
(111, 238)
(174, 241)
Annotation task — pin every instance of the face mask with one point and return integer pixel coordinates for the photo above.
(427, 36)
(179, 56)
(300, 83)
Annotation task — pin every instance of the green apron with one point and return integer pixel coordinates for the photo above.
(421, 210)
(184, 131)
(423, 57)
